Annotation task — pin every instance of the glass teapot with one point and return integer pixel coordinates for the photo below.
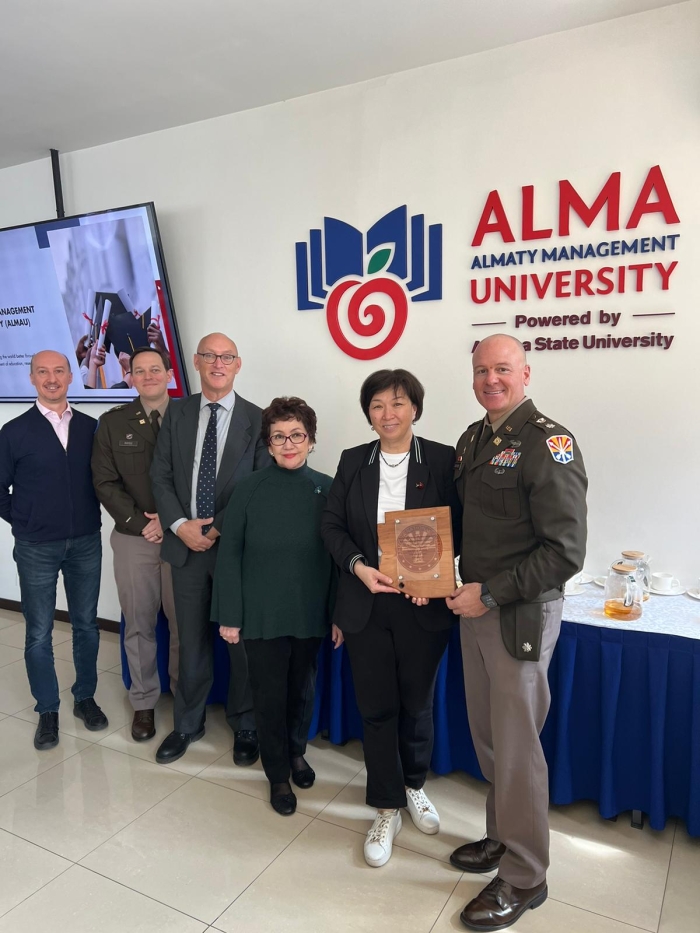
(623, 593)
(641, 561)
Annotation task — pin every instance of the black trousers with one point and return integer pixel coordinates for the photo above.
(192, 586)
(394, 664)
(283, 680)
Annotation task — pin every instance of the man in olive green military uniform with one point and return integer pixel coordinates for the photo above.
(121, 460)
(522, 483)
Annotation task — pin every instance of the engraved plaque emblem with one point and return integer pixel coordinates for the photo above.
(419, 548)
(417, 552)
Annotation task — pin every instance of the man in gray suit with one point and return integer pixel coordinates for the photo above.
(206, 444)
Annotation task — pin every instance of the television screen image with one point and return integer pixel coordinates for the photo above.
(93, 287)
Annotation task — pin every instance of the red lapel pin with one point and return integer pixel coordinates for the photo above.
(420, 485)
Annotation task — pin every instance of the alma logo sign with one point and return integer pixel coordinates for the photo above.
(628, 216)
(364, 281)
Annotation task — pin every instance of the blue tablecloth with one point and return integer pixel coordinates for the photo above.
(623, 729)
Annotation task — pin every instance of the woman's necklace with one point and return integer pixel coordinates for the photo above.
(394, 465)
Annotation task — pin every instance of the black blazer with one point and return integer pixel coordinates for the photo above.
(173, 460)
(349, 524)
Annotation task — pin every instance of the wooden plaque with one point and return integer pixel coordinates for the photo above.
(417, 551)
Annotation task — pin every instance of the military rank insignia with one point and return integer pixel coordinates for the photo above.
(506, 458)
(561, 448)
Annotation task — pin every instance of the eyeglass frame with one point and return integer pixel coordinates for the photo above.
(287, 437)
(217, 356)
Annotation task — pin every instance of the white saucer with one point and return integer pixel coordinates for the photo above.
(694, 593)
(677, 592)
(575, 590)
(600, 580)
(586, 578)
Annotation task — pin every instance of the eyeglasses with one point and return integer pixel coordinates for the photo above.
(278, 440)
(226, 358)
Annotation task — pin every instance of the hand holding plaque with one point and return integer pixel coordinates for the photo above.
(417, 551)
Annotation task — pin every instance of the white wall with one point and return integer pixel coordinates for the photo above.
(234, 194)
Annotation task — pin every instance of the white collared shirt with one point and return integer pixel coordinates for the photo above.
(60, 423)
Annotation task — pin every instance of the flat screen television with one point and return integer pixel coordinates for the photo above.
(93, 287)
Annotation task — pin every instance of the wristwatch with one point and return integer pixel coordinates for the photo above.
(486, 598)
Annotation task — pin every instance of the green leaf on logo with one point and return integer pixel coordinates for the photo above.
(378, 260)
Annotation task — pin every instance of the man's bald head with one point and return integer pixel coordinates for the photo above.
(50, 374)
(501, 341)
(47, 357)
(216, 374)
(224, 343)
(501, 373)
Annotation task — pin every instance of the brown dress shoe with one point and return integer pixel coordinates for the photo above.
(500, 905)
(143, 727)
(478, 857)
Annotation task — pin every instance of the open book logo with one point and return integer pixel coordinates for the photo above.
(364, 281)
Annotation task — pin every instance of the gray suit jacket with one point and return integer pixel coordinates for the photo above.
(173, 459)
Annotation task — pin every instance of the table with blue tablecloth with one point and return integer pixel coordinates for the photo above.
(624, 725)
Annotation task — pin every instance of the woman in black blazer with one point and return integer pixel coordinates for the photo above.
(395, 644)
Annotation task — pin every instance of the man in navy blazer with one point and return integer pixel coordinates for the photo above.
(46, 494)
(206, 444)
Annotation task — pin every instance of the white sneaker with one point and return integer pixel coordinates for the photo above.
(423, 813)
(380, 838)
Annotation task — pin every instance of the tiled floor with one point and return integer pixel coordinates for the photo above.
(96, 837)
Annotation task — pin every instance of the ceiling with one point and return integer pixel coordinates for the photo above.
(78, 73)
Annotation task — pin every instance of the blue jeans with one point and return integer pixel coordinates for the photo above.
(80, 560)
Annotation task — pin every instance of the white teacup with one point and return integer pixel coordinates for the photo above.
(664, 582)
(572, 585)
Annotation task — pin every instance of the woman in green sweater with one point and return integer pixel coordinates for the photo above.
(274, 585)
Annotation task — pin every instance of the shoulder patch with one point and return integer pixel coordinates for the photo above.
(116, 408)
(561, 447)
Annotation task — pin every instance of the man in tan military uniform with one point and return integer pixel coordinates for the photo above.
(121, 460)
(522, 483)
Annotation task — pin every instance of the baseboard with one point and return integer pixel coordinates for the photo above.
(61, 615)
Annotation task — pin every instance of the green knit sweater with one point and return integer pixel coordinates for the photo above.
(273, 576)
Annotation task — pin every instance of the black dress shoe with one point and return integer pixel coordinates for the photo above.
(91, 714)
(500, 905)
(478, 857)
(175, 745)
(246, 750)
(302, 774)
(46, 735)
(283, 799)
(143, 726)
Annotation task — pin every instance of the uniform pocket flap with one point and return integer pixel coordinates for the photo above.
(508, 479)
(521, 630)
